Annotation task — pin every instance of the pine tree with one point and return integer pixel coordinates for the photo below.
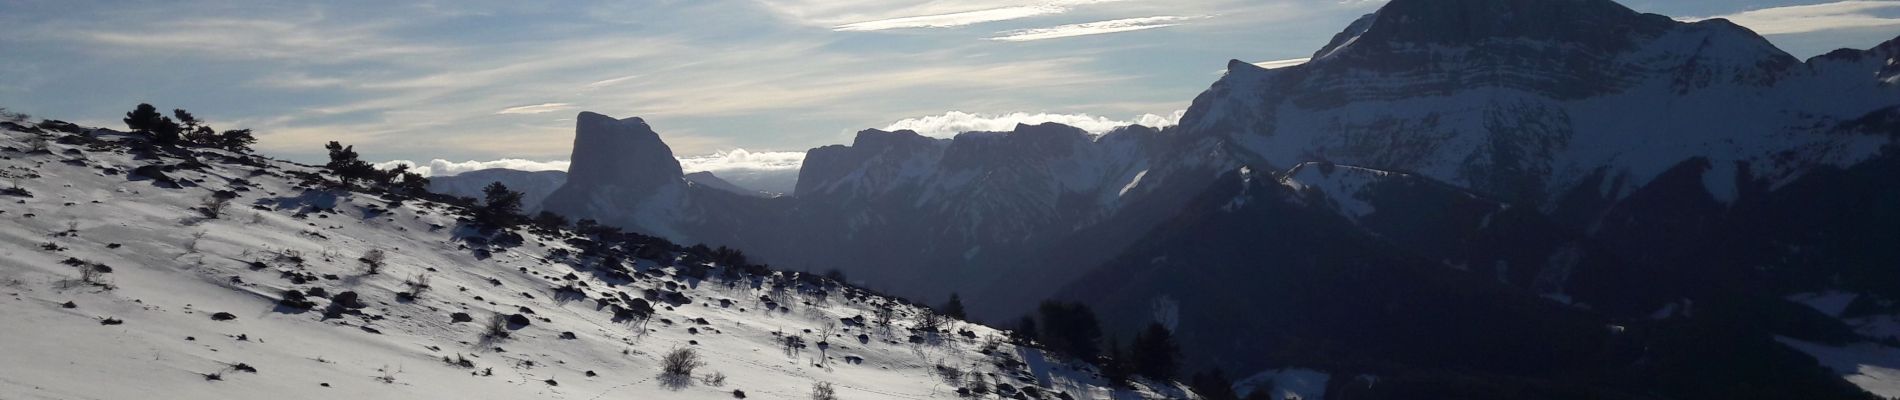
(500, 207)
(954, 308)
(1025, 332)
(143, 118)
(1115, 366)
(201, 135)
(346, 166)
(146, 120)
(238, 140)
(1071, 329)
(1213, 385)
(190, 122)
(549, 219)
(1155, 354)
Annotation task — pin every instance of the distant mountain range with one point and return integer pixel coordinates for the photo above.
(1477, 198)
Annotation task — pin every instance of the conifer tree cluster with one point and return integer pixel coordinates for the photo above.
(184, 129)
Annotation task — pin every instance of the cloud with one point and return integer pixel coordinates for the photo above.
(1282, 63)
(740, 159)
(1272, 64)
(608, 82)
(873, 15)
(440, 167)
(952, 123)
(952, 19)
(1091, 28)
(232, 38)
(1813, 17)
(536, 109)
(733, 160)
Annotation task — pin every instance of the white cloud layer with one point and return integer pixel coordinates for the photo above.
(734, 160)
(951, 123)
(740, 159)
(440, 167)
(1813, 17)
(1282, 63)
(1091, 28)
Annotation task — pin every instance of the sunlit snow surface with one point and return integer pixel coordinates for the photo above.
(168, 284)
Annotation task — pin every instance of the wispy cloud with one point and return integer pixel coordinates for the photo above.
(1092, 28)
(609, 82)
(952, 123)
(952, 19)
(1813, 17)
(536, 109)
(874, 15)
(260, 39)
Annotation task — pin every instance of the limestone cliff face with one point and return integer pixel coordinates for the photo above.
(622, 174)
(620, 152)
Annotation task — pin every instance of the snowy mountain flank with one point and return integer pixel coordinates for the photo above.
(1458, 199)
(133, 270)
(1518, 196)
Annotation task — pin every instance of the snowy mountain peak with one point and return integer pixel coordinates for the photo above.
(1588, 22)
(874, 153)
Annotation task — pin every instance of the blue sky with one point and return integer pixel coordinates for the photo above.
(486, 80)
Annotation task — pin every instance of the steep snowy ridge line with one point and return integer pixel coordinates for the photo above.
(148, 325)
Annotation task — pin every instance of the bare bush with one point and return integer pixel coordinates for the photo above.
(196, 236)
(388, 375)
(213, 206)
(37, 143)
(823, 391)
(884, 313)
(417, 285)
(715, 379)
(496, 328)
(929, 321)
(373, 261)
(950, 374)
(14, 117)
(680, 362)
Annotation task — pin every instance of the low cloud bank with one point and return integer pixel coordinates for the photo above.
(951, 123)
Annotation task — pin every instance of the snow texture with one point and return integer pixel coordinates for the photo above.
(193, 305)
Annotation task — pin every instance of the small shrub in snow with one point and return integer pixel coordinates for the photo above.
(459, 361)
(37, 143)
(417, 285)
(388, 375)
(715, 379)
(373, 261)
(680, 362)
(496, 328)
(823, 391)
(192, 244)
(213, 206)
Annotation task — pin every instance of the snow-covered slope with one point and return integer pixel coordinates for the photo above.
(201, 307)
